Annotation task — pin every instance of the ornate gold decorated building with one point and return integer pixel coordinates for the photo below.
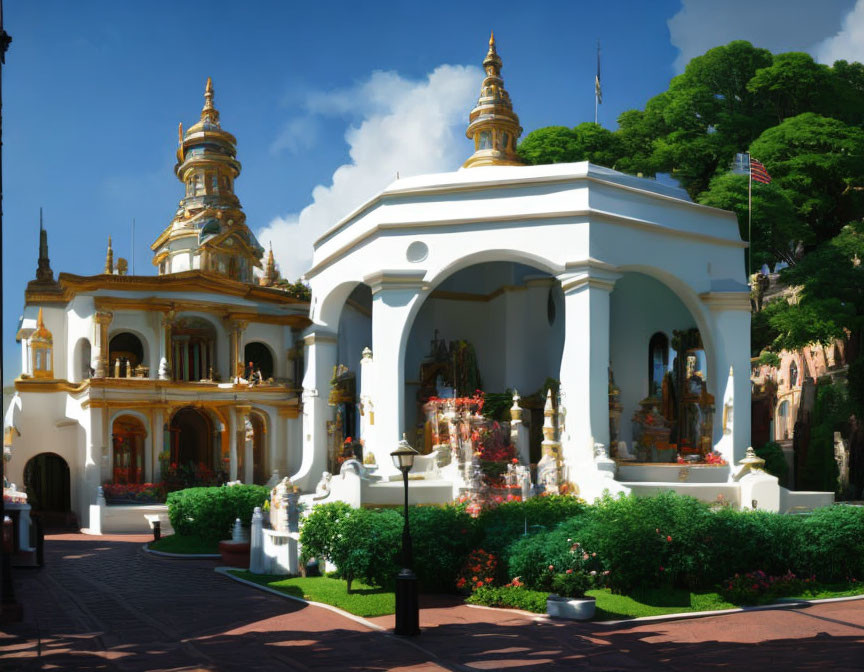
(131, 379)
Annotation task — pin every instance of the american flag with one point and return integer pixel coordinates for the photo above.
(758, 172)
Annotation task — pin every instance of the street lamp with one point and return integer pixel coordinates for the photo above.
(407, 606)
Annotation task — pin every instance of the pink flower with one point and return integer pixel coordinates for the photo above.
(585, 556)
(668, 538)
(569, 571)
(661, 568)
(551, 567)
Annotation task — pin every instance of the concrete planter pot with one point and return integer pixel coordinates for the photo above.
(574, 609)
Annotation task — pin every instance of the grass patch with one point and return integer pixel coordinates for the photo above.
(654, 602)
(833, 590)
(177, 543)
(365, 601)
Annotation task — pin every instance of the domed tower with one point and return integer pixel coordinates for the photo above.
(209, 229)
(493, 125)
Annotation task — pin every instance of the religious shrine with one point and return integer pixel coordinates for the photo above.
(530, 329)
(132, 385)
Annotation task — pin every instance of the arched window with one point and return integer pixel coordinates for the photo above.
(193, 343)
(259, 357)
(125, 353)
(782, 431)
(128, 436)
(82, 360)
(793, 374)
(658, 363)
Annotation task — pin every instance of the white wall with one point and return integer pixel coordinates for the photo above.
(640, 306)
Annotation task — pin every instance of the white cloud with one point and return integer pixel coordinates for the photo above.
(848, 43)
(409, 127)
(778, 25)
(296, 134)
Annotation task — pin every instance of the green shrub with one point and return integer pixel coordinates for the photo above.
(508, 522)
(442, 537)
(759, 588)
(530, 557)
(510, 597)
(209, 513)
(831, 543)
(366, 546)
(318, 530)
(775, 460)
(744, 541)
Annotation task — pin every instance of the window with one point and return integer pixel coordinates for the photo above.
(782, 431)
(793, 374)
(658, 363)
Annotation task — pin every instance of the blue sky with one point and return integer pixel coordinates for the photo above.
(327, 99)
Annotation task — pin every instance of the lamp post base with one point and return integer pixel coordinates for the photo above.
(407, 604)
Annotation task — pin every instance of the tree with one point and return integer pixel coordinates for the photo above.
(794, 83)
(775, 224)
(559, 144)
(819, 163)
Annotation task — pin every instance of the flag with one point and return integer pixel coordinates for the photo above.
(598, 92)
(758, 172)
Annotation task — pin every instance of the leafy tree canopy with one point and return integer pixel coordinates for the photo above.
(559, 144)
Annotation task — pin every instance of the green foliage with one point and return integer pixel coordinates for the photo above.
(298, 289)
(817, 161)
(831, 543)
(830, 414)
(768, 358)
(506, 523)
(559, 144)
(774, 222)
(176, 543)
(510, 597)
(441, 539)
(366, 546)
(571, 584)
(794, 83)
(775, 461)
(209, 513)
(319, 530)
(759, 588)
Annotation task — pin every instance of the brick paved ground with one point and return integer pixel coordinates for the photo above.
(102, 604)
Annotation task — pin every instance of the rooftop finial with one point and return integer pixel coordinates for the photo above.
(209, 113)
(493, 126)
(43, 268)
(109, 259)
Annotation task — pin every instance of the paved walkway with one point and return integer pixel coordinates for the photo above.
(102, 604)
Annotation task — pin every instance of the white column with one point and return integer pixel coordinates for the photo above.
(232, 444)
(394, 293)
(585, 361)
(157, 431)
(320, 358)
(730, 322)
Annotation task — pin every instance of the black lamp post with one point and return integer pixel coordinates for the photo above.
(407, 605)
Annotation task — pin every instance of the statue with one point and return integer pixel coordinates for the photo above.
(164, 372)
(322, 490)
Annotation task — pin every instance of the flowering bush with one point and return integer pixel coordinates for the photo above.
(478, 570)
(142, 493)
(510, 596)
(758, 587)
(181, 476)
(579, 570)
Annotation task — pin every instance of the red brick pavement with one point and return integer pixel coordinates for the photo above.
(102, 604)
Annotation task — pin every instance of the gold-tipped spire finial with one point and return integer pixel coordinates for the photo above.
(109, 259)
(493, 125)
(209, 113)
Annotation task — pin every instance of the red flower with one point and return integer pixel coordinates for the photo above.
(515, 460)
(661, 568)
(569, 571)
(668, 538)
(551, 567)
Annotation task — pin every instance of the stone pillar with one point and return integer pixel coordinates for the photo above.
(320, 359)
(519, 432)
(729, 321)
(235, 347)
(100, 349)
(585, 361)
(394, 294)
(244, 425)
(157, 431)
(367, 403)
(232, 445)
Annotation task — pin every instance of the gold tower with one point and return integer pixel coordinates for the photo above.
(207, 166)
(493, 125)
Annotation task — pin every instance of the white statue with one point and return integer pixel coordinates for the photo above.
(322, 490)
(164, 373)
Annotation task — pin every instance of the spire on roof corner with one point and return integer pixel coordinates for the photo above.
(109, 259)
(43, 268)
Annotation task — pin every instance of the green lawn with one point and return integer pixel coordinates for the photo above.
(176, 543)
(654, 603)
(363, 600)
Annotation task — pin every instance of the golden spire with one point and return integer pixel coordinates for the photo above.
(270, 276)
(109, 259)
(209, 113)
(493, 125)
(180, 153)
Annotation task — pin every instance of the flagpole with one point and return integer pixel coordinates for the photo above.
(749, 218)
(597, 83)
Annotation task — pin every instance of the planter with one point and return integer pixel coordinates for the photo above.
(572, 608)
(235, 553)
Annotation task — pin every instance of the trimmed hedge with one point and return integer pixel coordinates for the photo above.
(209, 513)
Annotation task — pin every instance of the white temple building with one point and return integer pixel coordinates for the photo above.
(616, 307)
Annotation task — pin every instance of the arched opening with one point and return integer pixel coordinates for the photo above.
(193, 344)
(46, 479)
(191, 438)
(675, 419)
(354, 336)
(125, 354)
(793, 374)
(82, 369)
(496, 326)
(128, 435)
(260, 463)
(782, 430)
(257, 357)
